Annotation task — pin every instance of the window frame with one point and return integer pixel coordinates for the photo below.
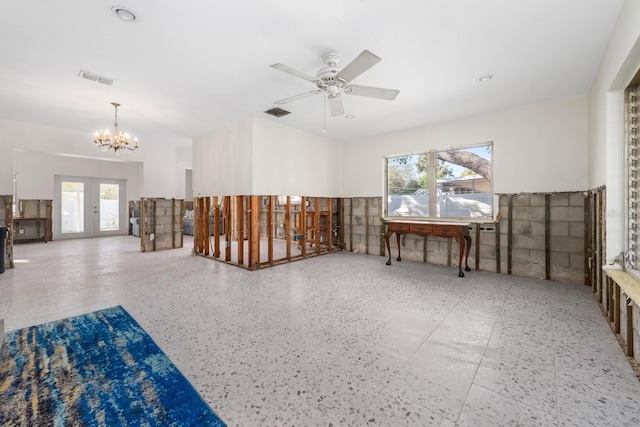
(433, 202)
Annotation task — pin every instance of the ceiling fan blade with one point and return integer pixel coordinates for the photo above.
(362, 63)
(335, 105)
(293, 72)
(372, 92)
(296, 97)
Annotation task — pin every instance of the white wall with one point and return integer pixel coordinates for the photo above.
(260, 157)
(162, 173)
(288, 161)
(222, 161)
(537, 148)
(35, 173)
(606, 122)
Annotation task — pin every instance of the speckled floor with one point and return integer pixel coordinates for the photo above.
(343, 339)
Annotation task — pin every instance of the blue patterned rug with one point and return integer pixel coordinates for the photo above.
(98, 369)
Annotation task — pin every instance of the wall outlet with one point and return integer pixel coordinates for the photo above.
(152, 236)
(21, 231)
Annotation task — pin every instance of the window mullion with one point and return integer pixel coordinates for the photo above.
(433, 186)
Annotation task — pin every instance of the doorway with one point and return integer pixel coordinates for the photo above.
(89, 207)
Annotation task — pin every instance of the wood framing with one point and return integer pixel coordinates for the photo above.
(240, 227)
(287, 227)
(275, 229)
(254, 233)
(6, 221)
(216, 227)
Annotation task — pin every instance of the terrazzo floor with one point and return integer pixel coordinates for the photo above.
(343, 339)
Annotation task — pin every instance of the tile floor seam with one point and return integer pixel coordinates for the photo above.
(473, 380)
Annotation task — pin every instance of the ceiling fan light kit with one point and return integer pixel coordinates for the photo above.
(334, 80)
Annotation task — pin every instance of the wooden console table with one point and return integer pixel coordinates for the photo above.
(440, 229)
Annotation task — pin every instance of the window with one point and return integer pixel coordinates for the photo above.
(452, 184)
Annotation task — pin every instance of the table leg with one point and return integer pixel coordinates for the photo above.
(460, 240)
(466, 259)
(387, 235)
(398, 239)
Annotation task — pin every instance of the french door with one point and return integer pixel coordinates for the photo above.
(89, 207)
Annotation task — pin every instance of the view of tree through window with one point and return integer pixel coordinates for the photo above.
(441, 184)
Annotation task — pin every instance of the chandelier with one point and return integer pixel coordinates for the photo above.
(118, 141)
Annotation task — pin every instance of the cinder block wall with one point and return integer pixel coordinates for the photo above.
(6, 220)
(535, 235)
(161, 224)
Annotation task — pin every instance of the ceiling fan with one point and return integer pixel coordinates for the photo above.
(335, 80)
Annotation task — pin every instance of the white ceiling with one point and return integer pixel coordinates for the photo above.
(187, 68)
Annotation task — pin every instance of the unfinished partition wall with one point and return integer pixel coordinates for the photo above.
(134, 205)
(6, 221)
(539, 235)
(161, 224)
(33, 221)
(260, 231)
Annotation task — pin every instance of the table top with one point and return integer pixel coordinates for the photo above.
(411, 221)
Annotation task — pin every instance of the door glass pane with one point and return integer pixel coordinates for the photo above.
(72, 207)
(109, 207)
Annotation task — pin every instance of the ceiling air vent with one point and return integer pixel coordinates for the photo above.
(96, 77)
(277, 112)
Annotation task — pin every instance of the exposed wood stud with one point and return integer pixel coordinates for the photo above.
(316, 220)
(228, 225)
(181, 225)
(330, 223)
(629, 337)
(477, 246)
(270, 231)
(366, 223)
(610, 303)
(173, 223)
(351, 225)
(498, 260)
(205, 221)
(616, 315)
(547, 236)
(216, 227)
(510, 235)
(601, 237)
(424, 249)
(143, 223)
(153, 225)
(383, 242)
(341, 224)
(302, 229)
(586, 240)
(254, 233)
(287, 227)
(240, 227)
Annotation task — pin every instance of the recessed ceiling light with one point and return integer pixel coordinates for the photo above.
(349, 116)
(485, 78)
(124, 13)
